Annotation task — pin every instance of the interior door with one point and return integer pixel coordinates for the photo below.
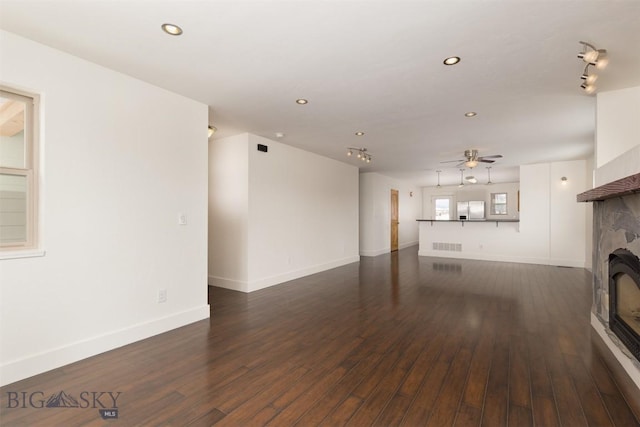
(394, 220)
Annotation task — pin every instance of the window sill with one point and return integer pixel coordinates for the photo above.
(26, 253)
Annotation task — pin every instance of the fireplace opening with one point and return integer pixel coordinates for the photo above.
(624, 299)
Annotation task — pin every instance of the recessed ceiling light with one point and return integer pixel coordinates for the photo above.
(470, 114)
(452, 60)
(171, 29)
(301, 101)
(359, 133)
(279, 135)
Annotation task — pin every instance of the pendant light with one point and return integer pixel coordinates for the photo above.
(438, 172)
(489, 175)
(461, 179)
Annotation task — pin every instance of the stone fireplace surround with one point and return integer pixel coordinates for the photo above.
(616, 225)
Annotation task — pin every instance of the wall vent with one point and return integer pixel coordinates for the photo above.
(451, 247)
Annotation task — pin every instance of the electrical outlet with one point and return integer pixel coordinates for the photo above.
(182, 219)
(162, 296)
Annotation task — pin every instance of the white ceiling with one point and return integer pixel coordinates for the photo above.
(367, 66)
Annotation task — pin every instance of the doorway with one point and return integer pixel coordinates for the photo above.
(394, 220)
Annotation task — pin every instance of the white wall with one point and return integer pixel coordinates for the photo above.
(375, 213)
(229, 209)
(617, 135)
(618, 130)
(567, 217)
(551, 228)
(301, 213)
(121, 159)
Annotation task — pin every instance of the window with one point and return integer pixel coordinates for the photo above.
(498, 203)
(18, 170)
(442, 208)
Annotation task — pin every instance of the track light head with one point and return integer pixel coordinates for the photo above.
(603, 59)
(588, 89)
(589, 79)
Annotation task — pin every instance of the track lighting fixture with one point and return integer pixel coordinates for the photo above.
(362, 154)
(594, 58)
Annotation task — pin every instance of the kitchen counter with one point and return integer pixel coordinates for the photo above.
(462, 221)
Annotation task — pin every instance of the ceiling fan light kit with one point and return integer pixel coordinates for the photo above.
(471, 164)
(594, 57)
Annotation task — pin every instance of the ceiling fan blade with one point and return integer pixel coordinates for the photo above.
(486, 161)
(452, 161)
(496, 156)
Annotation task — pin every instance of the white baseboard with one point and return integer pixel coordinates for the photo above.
(503, 258)
(244, 286)
(408, 245)
(375, 252)
(483, 257)
(234, 285)
(42, 362)
(291, 275)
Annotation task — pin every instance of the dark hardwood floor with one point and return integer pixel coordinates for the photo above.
(392, 340)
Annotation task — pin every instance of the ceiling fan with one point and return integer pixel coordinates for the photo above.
(472, 159)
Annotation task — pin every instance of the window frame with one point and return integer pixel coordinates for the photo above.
(494, 204)
(30, 171)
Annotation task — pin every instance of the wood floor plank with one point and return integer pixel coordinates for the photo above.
(567, 400)
(343, 389)
(381, 396)
(420, 409)
(392, 340)
(496, 402)
(446, 405)
(591, 400)
(393, 413)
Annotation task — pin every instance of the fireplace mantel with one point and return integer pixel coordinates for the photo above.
(621, 187)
